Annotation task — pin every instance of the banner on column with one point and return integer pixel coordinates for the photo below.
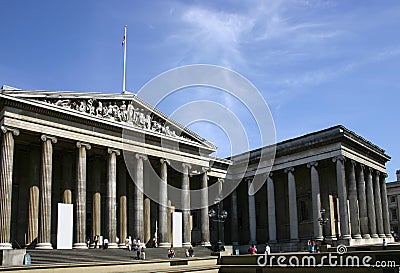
(177, 229)
(65, 226)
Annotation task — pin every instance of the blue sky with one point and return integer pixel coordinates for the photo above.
(316, 63)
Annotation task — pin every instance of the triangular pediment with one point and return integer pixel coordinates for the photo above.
(122, 109)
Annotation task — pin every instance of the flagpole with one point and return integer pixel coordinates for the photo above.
(124, 73)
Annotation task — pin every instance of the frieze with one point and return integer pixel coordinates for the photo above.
(120, 111)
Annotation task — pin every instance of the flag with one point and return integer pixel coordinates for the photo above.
(123, 41)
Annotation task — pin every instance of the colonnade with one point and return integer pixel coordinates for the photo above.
(39, 225)
(361, 197)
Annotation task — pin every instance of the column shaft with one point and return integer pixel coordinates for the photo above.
(163, 206)
(362, 202)
(370, 204)
(44, 240)
(6, 174)
(252, 212)
(186, 205)
(123, 220)
(378, 204)
(293, 220)
(111, 198)
(205, 226)
(353, 202)
(342, 196)
(385, 207)
(67, 177)
(316, 200)
(271, 209)
(80, 207)
(139, 205)
(147, 220)
(234, 219)
(96, 210)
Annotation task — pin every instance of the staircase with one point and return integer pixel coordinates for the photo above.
(110, 255)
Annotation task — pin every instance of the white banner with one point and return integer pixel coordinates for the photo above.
(65, 226)
(177, 229)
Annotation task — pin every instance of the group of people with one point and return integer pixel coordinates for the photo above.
(189, 252)
(313, 246)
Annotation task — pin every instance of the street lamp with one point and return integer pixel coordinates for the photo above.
(323, 220)
(218, 216)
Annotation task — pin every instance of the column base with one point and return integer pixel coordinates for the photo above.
(388, 235)
(252, 242)
(345, 237)
(5, 246)
(357, 236)
(205, 244)
(113, 245)
(366, 236)
(79, 246)
(374, 236)
(272, 242)
(122, 246)
(235, 243)
(382, 235)
(319, 238)
(44, 246)
(187, 244)
(164, 245)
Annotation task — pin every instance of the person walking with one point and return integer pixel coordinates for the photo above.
(105, 244)
(138, 250)
(95, 240)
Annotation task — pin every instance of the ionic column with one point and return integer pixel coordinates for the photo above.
(44, 240)
(205, 225)
(80, 206)
(378, 204)
(271, 208)
(316, 200)
(111, 197)
(96, 210)
(362, 202)
(342, 196)
(370, 203)
(252, 212)
(385, 209)
(234, 219)
(6, 174)
(122, 194)
(186, 205)
(353, 202)
(33, 207)
(139, 205)
(294, 229)
(163, 206)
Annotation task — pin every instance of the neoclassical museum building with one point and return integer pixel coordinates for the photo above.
(118, 162)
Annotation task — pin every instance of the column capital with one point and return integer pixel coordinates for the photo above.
(221, 180)
(115, 151)
(290, 169)
(44, 138)
(353, 162)
(189, 166)
(271, 174)
(312, 164)
(83, 145)
(162, 160)
(361, 166)
(384, 175)
(141, 156)
(205, 169)
(6, 129)
(377, 173)
(249, 179)
(340, 158)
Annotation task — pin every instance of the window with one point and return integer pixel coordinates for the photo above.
(394, 214)
(304, 215)
(392, 199)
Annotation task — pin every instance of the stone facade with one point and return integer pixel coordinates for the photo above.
(111, 156)
(333, 169)
(393, 195)
(74, 148)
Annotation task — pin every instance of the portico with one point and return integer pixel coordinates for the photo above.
(113, 158)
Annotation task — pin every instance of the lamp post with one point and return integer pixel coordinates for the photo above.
(322, 221)
(218, 216)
